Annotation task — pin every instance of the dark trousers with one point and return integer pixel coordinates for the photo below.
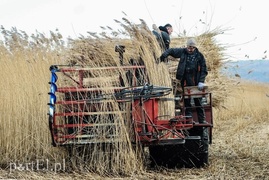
(199, 109)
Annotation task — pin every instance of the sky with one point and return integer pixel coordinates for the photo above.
(244, 23)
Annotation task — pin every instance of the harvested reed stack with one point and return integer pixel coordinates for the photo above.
(146, 46)
(142, 47)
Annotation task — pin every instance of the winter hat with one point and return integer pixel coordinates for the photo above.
(191, 42)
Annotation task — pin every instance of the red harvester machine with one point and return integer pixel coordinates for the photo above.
(77, 109)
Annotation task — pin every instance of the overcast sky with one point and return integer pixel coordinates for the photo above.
(247, 38)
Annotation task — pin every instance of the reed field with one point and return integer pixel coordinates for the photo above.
(241, 109)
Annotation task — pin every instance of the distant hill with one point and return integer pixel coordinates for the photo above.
(252, 70)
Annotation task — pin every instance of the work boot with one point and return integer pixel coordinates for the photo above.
(202, 122)
(189, 120)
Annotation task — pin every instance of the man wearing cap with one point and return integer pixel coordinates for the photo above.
(191, 71)
(163, 35)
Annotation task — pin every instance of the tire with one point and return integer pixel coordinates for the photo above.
(165, 155)
(197, 150)
(192, 154)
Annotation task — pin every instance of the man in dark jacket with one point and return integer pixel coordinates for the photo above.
(191, 71)
(163, 35)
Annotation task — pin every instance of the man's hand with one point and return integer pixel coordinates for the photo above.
(162, 58)
(201, 86)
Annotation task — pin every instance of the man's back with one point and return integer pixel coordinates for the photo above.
(162, 35)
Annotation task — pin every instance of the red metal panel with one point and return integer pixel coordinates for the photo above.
(144, 114)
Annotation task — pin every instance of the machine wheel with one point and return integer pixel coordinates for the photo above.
(194, 153)
(165, 155)
(200, 152)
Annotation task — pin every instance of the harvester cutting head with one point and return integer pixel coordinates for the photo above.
(74, 116)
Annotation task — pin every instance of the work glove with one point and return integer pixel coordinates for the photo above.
(162, 58)
(201, 86)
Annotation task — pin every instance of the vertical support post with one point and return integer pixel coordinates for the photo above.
(120, 49)
(80, 72)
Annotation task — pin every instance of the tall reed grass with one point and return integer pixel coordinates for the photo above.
(24, 125)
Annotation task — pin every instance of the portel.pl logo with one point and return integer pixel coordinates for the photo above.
(38, 165)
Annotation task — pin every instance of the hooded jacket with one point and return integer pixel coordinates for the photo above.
(165, 37)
